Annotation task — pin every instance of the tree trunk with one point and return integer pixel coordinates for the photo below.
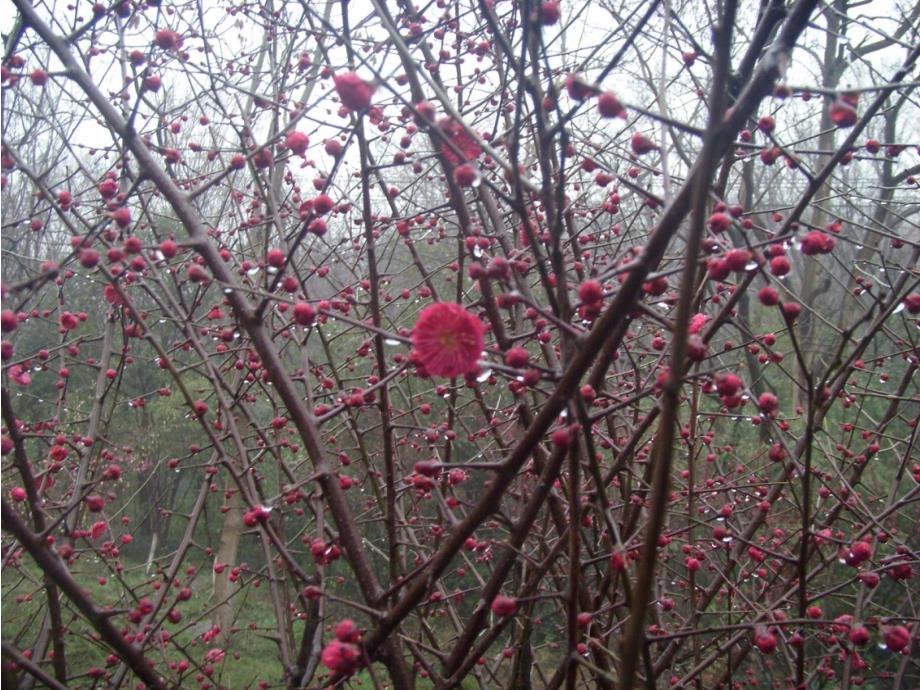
(228, 546)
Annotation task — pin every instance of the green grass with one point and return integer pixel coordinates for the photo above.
(24, 604)
(258, 660)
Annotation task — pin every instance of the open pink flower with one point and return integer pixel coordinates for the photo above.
(355, 92)
(215, 656)
(698, 323)
(463, 146)
(341, 657)
(447, 340)
(504, 605)
(20, 375)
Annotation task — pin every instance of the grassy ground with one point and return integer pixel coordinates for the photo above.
(251, 656)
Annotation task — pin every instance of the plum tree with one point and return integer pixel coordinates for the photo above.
(468, 344)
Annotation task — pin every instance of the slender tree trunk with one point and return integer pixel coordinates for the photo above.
(228, 546)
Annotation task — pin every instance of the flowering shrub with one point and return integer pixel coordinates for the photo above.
(467, 344)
